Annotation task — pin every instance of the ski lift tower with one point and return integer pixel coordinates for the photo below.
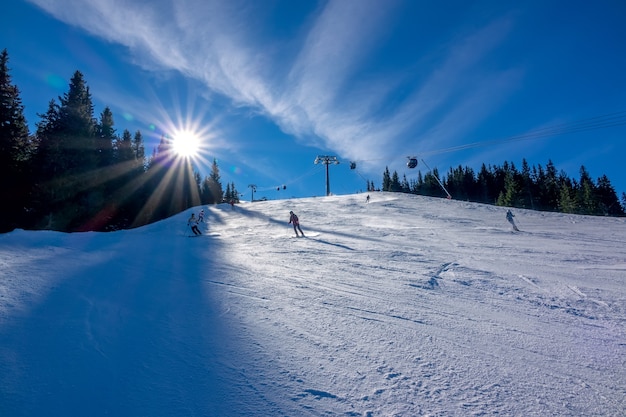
(327, 160)
(253, 188)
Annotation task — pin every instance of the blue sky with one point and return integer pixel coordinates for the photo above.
(272, 84)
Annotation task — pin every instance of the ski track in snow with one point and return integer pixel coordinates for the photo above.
(406, 306)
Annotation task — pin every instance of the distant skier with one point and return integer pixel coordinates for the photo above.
(509, 217)
(193, 223)
(367, 199)
(293, 219)
(201, 216)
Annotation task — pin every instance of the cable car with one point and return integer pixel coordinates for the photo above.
(412, 162)
(352, 165)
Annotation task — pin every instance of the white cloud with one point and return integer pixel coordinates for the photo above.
(315, 95)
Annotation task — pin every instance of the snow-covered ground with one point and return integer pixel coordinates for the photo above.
(406, 306)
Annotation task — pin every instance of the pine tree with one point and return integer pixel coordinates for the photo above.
(608, 202)
(77, 127)
(585, 196)
(461, 183)
(108, 177)
(105, 139)
(122, 186)
(386, 180)
(539, 176)
(67, 160)
(134, 197)
(484, 186)
(15, 144)
(231, 194)
(527, 189)
(405, 187)
(551, 187)
(47, 158)
(431, 186)
(453, 183)
(235, 193)
(124, 155)
(215, 185)
(205, 192)
(567, 202)
(198, 180)
(512, 194)
(418, 185)
(140, 152)
(228, 194)
(395, 185)
(15, 151)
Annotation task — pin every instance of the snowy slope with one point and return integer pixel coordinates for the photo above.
(405, 306)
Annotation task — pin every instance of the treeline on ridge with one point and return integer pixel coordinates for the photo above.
(75, 173)
(535, 188)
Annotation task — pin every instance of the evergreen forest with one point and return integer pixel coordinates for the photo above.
(76, 173)
(536, 188)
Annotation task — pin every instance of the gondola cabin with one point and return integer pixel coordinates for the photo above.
(412, 162)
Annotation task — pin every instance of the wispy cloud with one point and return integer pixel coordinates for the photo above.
(314, 92)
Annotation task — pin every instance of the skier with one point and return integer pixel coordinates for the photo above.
(367, 199)
(509, 217)
(201, 216)
(193, 222)
(293, 219)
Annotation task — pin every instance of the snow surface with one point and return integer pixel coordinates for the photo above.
(406, 306)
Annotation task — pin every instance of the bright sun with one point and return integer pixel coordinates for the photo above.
(186, 143)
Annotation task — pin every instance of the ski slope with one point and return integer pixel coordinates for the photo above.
(406, 306)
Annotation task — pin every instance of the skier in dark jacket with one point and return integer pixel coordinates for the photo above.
(509, 217)
(293, 219)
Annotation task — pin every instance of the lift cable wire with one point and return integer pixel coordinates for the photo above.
(583, 125)
(593, 123)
